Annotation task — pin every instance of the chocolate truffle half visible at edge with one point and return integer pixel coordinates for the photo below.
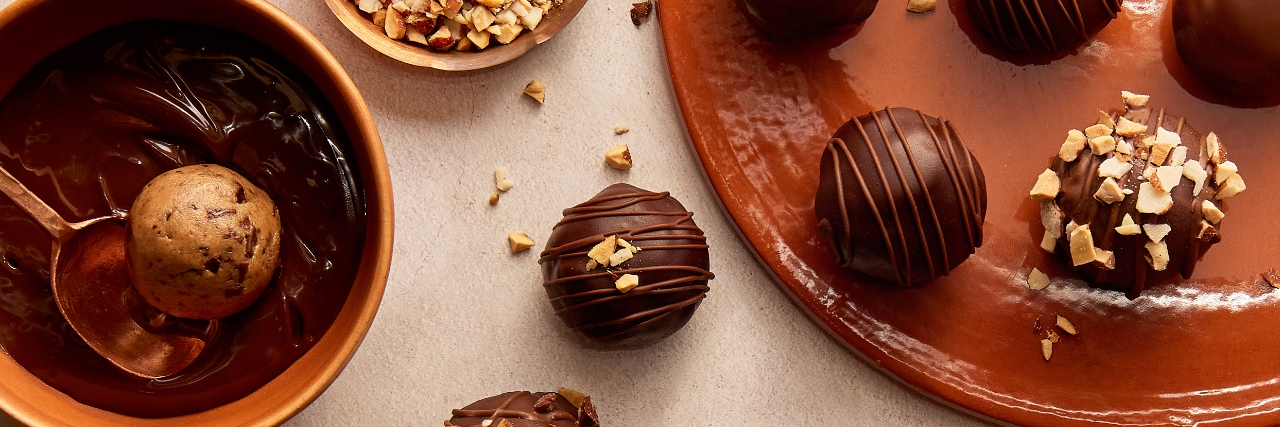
(525, 409)
(1232, 46)
(1136, 198)
(626, 268)
(805, 18)
(1042, 27)
(901, 197)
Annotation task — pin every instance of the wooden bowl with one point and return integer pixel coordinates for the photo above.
(33, 29)
(415, 54)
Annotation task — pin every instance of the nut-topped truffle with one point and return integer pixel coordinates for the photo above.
(901, 197)
(1042, 27)
(626, 268)
(1136, 198)
(203, 242)
(566, 408)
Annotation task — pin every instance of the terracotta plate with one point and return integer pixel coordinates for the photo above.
(1202, 350)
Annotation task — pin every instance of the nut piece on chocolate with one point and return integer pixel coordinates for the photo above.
(900, 197)
(1051, 27)
(1152, 213)
(623, 231)
(203, 242)
(525, 409)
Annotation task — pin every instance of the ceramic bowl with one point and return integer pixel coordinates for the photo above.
(415, 54)
(33, 29)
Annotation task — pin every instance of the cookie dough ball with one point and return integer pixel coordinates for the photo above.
(203, 242)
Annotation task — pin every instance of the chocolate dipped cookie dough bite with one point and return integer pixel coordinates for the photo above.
(1232, 46)
(900, 196)
(1136, 198)
(626, 268)
(1042, 28)
(785, 19)
(563, 408)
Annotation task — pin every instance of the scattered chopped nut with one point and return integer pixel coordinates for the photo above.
(1105, 119)
(493, 199)
(1165, 135)
(456, 24)
(1157, 255)
(1106, 259)
(1046, 349)
(1097, 131)
(1271, 278)
(1166, 178)
(1160, 152)
(536, 90)
(1124, 147)
(1053, 336)
(519, 242)
(500, 180)
(1233, 186)
(1223, 171)
(1071, 148)
(1051, 218)
(1114, 168)
(627, 282)
(1109, 192)
(1207, 232)
(1037, 280)
(921, 6)
(640, 12)
(1102, 145)
(619, 257)
(573, 396)
(380, 18)
(1049, 243)
(1047, 186)
(603, 250)
(1128, 227)
(618, 157)
(628, 245)
(1156, 232)
(1130, 129)
(1179, 156)
(1082, 249)
(621, 129)
(1216, 150)
(1133, 100)
(1153, 201)
(1071, 228)
(592, 264)
(1065, 325)
(1211, 212)
(1194, 172)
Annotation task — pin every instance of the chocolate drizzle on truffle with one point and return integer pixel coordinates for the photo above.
(525, 409)
(1042, 27)
(672, 265)
(900, 197)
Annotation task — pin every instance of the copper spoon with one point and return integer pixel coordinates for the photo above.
(90, 280)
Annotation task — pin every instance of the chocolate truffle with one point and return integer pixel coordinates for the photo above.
(1136, 198)
(1042, 27)
(626, 268)
(1233, 46)
(525, 409)
(202, 242)
(804, 18)
(901, 197)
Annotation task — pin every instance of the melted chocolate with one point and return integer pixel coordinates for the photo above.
(1232, 46)
(804, 18)
(901, 197)
(1042, 27)
(91, 124)
(672, 265)
(1132, 272)
(525, 409)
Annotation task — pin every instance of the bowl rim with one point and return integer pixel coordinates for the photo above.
(30, 401)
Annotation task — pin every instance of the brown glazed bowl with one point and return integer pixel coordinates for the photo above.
(415, 54)
(33, 29)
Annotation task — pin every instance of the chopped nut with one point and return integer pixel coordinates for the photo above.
(1130, 129)
(573, 396)
(1233, 186)
(489, 3)
(603, 250)
(1097, 131)
(627, 282)
(1109, 192)
(451, 8)
(1071, 228)
(506, 17)
(442, 39)
(1047, 186)
(1114, 168)
(394, 25)
(618, 157)
(1102, 145)
(1133, 100)
(1156, 232)
(1223, 171)
(1051, 218)
(1211, 212)
(1037, 280)
(628, 245)
(1105, 119)
(519, 242)
(536, 90)
(1124, 147)
(464, 45)
(1082, 249)
(1271, 278)
(507, 33)
(1216, 150)
(619, 257)
(1171, 137)
(1046, 349)
(592, 264)
(1065, 325)
(1053, 336)
(1179, 156)
(921, 6)
(1207, 232)
(621, 129)
(640, 12)
(1153, 201)
(413, 35)
(1192, 170)
(370, 6)
(500, 180)
(1166, 178)
(1106, 259)
(479, 39)
(532, 19)
(1049, 243)
(1071, 148)
(380, 18)
(1160, 152)
(1128, 227)
(1148, 172)
(1157, 255)
(493, 199)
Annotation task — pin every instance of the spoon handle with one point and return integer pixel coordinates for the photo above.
(33, 206)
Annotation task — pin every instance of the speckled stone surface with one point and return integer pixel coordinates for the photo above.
(463, 318)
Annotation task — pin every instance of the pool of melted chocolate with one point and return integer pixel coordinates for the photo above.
(91, 124)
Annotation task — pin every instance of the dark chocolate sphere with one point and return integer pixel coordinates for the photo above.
(671, 264)
(900, 197)
(803, 18)
(525, 409)
(1233, 46)
(1042, 27)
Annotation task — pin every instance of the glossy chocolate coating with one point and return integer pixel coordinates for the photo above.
(90, 125)
(1042, 27)
(1132, 272)
(672, 265)
(1232, 46)
(525, 409)
(803, 18)
(901, 197)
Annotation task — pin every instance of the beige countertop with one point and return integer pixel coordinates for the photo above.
(463, 318)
